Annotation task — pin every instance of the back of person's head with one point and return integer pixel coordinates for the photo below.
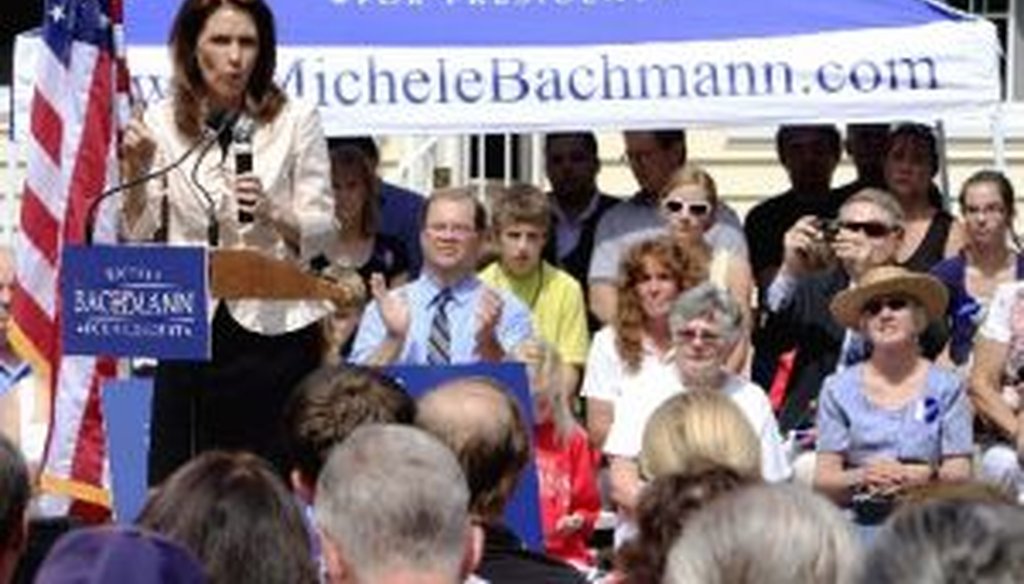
(332, 402)
(15, 491)
(112, 555)
(698, 430)
(949, 541)
(480, 421)
(237, 516)
(764, 534)
(520, 203)
(666, 505)
(393, 500)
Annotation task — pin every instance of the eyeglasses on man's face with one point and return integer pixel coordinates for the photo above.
(459, 230)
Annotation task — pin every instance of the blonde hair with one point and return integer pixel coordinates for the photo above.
(691, 174)
(544, 368)
(696, 430)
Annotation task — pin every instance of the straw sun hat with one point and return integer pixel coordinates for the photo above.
(848, 305)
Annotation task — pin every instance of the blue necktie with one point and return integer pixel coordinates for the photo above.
(439, 343)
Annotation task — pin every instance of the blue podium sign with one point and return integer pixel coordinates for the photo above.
(138, 301)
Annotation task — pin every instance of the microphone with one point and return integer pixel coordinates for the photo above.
(216, 123)
(223, 121)
(242, 146)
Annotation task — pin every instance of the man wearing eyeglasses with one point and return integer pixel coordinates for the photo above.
(447, 315)
(866, 234)
(653, 156)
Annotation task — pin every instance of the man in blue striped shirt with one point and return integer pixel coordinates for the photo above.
(446, 315)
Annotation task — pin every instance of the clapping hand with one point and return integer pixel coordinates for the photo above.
(393, 307)
(488, 315)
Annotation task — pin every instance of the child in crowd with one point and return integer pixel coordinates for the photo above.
(522, 216)
(566, 465)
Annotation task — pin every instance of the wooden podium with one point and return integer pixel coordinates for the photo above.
(244, 273)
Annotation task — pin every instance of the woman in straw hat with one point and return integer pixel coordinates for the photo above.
(896, 419)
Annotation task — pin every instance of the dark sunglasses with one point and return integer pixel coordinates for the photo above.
(869, 228)
(697, 209)
(874, 306)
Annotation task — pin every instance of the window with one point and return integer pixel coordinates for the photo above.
(1004, 15)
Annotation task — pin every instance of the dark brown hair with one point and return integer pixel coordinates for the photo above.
(665, 506)
(264, 99)
(331, 403)
(237, 517)
(351, 159)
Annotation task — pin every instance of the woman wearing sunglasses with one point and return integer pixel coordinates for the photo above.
(896, 419)
(987, 260)
(688, 205)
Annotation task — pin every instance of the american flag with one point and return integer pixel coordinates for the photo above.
(78, 105)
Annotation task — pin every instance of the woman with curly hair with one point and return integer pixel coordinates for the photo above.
(636, 349)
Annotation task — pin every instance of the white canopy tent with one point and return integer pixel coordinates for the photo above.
(434, 66)
(475, 66)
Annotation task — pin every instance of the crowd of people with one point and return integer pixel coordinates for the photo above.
(828, 390)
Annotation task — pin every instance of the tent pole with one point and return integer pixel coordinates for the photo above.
(940, 137)
(481, 164)
(998, 120)
(506, 144)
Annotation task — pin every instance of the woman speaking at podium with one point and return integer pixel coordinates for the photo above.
(255, 175)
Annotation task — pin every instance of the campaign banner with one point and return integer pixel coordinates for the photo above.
(471, 66)
(135, 301)
(522, 513)
(919, 73)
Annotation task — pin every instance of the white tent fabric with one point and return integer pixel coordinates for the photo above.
(439, 66)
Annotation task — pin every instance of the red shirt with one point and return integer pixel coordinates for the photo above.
(567, 473)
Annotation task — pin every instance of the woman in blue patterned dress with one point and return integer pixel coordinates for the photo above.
(895, 420)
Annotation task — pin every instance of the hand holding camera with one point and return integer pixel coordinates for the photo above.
(807, 245)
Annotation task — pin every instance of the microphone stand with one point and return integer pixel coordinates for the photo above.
(206, 141)
(212, 231)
